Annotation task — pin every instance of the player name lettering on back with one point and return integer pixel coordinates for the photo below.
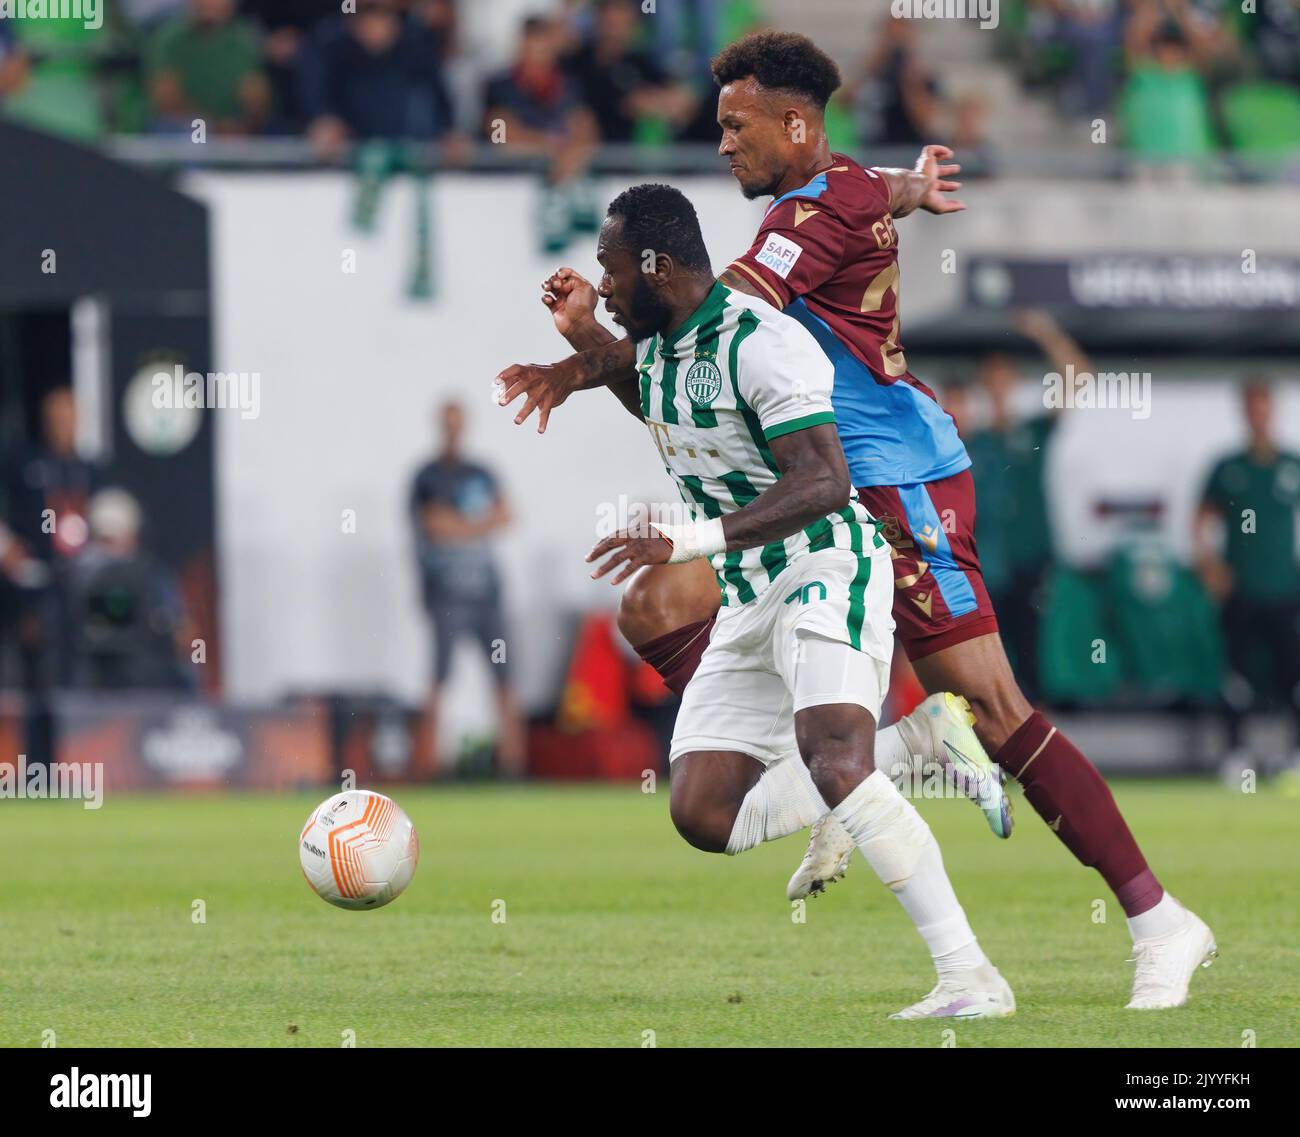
(780, 255)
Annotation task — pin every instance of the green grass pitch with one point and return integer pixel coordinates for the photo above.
(613, 928)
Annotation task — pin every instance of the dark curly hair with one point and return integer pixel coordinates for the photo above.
(662, 218)
(784, 61)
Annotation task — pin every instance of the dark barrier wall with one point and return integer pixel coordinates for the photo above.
(126, 237)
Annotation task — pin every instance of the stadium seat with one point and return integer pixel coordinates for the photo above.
(841, 129)
(1262, 119)
(1166, 625)
(1074, 667)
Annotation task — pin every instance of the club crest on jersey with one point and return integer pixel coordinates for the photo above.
(703, 382)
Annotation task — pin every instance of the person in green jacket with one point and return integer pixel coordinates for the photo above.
(1254, 494)
(1013, 527)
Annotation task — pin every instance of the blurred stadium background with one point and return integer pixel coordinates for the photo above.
(348, 216)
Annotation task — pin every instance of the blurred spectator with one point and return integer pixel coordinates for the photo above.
(456, 507)
(128, 627)
(1009, 464)
(490, 32)
(897, 99)
(47, 494)
(207, 65)
(684, 55)
(970, 119)
(49, 72)
(1255, 495)
(285, 26)
(1092, 33)
(143, 14)
(49, 485)
(955, 399)
(1166, 106)
(374, 75)
(534, 108)
(622, 83)
(997, 489)
(13, 62)
(438, 17)
(1274, 33)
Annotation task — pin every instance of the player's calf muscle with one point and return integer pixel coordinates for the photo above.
(979, 671)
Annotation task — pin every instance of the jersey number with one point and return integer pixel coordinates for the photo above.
(891, 355)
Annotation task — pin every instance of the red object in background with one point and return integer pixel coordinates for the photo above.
(623, 753)
(905, 690)
(595, 735)
(648, 688)
(596, 690)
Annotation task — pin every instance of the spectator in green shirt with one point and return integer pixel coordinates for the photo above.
(1171, 48)
(1255, 494)
(1013, 528)
(206, 65)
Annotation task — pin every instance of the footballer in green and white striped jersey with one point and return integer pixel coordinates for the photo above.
(714, 393)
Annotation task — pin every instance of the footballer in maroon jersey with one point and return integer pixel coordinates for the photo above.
(829, 236)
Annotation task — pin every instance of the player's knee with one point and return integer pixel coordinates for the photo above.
(837, 746)
(708, 830)
(660, 599)
(704, 821)
(643, 611)
(834, 768)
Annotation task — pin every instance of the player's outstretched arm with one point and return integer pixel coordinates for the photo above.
(924, 186)
(814, 481)
(1053, 340)
(546, 386)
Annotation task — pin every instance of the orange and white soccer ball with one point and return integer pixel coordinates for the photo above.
(358, 849)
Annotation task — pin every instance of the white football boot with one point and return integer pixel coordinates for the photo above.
(1166, 964)
(948, 719)
(980, 993)
(826, 861)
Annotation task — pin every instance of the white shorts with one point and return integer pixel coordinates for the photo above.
(812, 638)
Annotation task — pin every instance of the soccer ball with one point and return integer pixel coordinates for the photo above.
(358, 849)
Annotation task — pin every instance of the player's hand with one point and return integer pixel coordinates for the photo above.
(571, 299)
(933, 164)
(545, 387)
(630, 551)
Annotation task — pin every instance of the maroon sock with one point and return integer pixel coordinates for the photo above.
(676, 655)
(1067, 792)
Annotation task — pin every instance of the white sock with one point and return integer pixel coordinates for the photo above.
(778, 803)
(1165, 917)
(898, 845)
(901, 751)
(782, 801)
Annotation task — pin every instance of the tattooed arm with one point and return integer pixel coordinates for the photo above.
(814, 481)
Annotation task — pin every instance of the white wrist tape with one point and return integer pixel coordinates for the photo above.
(693, 539)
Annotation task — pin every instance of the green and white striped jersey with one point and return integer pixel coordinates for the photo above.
(714, 393)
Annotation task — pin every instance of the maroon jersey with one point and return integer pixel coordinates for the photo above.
(827, 254)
